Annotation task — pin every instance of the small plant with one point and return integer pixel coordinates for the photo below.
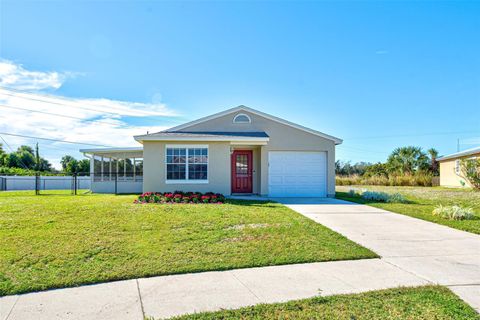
(397, 198)
(383, 197)
(453, 212)
(375, 196)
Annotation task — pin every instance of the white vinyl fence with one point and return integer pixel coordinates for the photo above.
(8, 183)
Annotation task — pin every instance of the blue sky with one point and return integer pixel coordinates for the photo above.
(377, 74)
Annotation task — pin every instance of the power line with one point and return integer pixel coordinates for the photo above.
(411, 135)
(57, 115)
(67, 99)
(55, 140)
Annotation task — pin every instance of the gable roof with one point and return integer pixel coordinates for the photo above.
(463, 153)
(259, 113)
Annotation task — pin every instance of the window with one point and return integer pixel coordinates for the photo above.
(187, 163)
(241, 118)
(457, 167)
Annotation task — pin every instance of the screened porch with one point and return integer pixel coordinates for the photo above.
(116, 170)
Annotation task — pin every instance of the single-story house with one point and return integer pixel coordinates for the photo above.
(450, 169)
(237, 151)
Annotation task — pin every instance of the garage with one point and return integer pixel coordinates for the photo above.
(297, 174)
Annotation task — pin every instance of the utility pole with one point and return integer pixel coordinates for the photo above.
(458, 145)
(37, 158)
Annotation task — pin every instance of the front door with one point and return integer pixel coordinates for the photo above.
(242, 171)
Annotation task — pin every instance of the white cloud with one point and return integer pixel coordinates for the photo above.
(15, 76)
(381, 52)
(97, 121)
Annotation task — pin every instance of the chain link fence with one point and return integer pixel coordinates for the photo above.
(59, 183)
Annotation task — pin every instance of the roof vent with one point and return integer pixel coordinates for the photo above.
(242, 118)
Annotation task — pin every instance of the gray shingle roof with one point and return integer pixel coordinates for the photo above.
(259, 134)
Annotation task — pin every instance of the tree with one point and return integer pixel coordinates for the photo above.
(65, 160)
(376, 169)
(433, 161)
(347, 169)
(72, 166)
(471, 171)
(25, 157)
(407, 160)
(83, 166)
(24, 148)
(3, 155)
(13, 161)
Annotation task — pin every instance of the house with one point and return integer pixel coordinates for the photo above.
(450, 169)
(237, 151)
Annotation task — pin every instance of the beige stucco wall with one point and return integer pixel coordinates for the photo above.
(282, 138)
(218, 168)
(448, 177)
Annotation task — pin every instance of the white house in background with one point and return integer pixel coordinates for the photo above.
(237, 151)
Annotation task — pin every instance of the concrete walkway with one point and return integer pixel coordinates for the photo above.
(414, 252)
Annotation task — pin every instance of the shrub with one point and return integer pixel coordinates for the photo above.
(471, 171)
(180, 197)
(453, 212)
(380, 196)
(375, 196)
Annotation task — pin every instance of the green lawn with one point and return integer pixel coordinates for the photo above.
(423, 201)
(430, 302)
(56, 240)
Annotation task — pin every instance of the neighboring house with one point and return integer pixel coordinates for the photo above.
(450, 168)
(237, 151)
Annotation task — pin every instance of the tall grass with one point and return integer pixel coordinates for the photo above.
(422, 180)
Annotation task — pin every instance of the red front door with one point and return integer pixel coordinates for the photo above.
(242, 171)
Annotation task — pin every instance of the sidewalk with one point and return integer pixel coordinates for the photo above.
(414, 252)
(168, 296)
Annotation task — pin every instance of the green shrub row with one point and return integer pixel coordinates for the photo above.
(421, 179)
(20, 172)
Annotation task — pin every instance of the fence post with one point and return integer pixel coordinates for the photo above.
(116, 179)
(37, 183)
(75, 183)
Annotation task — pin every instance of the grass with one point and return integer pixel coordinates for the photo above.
(429, 302)
(60, 240)
(422, 202)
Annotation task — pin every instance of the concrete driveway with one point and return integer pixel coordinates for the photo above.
(428, 250)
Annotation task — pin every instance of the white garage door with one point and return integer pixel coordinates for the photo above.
(297, 174)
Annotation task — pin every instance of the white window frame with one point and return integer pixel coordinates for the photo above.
(457, 166)
(242, 114)
(186, 147)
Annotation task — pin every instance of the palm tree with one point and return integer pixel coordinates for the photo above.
(407, 160)
(433, 160)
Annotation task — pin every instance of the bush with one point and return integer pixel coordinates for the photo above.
(180, 197)
(378, 196)
(21, 172)
(453, 212)
(471, 171)
(375, 196)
